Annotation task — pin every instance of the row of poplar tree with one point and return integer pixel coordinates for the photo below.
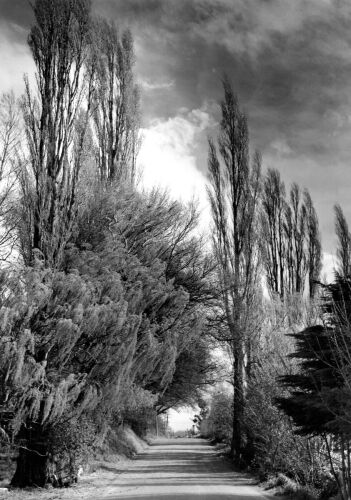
(102, 286)
(110, 299)
(282, 388)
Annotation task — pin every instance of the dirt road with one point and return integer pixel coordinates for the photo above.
(177, 469)
(173, 469)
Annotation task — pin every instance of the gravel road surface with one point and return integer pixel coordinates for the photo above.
(181, 469)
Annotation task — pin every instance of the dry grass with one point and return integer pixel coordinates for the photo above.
(284, 486)
(90, 486)
(99, 472)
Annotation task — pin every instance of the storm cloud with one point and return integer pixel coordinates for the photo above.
(289, 62)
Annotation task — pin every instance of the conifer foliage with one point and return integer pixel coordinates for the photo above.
(320, 397)
(319, 402)
(75, 339)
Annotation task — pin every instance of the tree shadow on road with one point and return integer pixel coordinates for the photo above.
(187, 496)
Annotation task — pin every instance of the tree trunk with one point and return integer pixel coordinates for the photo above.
(238, 414)
(32, 461)
(38, 463)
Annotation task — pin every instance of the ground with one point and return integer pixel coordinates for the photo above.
(170, 469)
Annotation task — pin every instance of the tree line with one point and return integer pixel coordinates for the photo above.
(111, 301)
(290, 402)
(102, 300)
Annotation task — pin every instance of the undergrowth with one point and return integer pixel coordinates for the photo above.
(285, 486)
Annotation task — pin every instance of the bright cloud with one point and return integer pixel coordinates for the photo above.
(329, 264)
(150, 85)
(168, 156)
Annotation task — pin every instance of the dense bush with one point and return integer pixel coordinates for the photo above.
(218, 424)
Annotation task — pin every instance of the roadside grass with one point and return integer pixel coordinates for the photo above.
(286, 487)
(107, 461)
(90, 485)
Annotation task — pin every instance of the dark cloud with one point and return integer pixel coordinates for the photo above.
(16, 11)
(290, 63)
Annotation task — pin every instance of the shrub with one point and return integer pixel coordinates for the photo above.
(220, 418)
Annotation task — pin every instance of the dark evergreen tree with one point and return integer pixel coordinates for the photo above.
(320, 398)
(315, 390)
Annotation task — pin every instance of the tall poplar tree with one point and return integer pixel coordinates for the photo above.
(296, 224)
(314, 246)
(273, 242)
(116, 103)
(233, 194)
(343, 251)
(290, 238)
(55, 119)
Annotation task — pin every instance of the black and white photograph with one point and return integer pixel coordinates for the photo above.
(175, 249)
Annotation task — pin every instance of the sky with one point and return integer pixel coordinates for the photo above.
(289, 63)
(181, 419)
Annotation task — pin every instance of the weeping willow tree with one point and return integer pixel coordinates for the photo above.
(233, 193)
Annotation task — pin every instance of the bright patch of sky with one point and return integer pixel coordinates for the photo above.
(167, 158)
(182, 419)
